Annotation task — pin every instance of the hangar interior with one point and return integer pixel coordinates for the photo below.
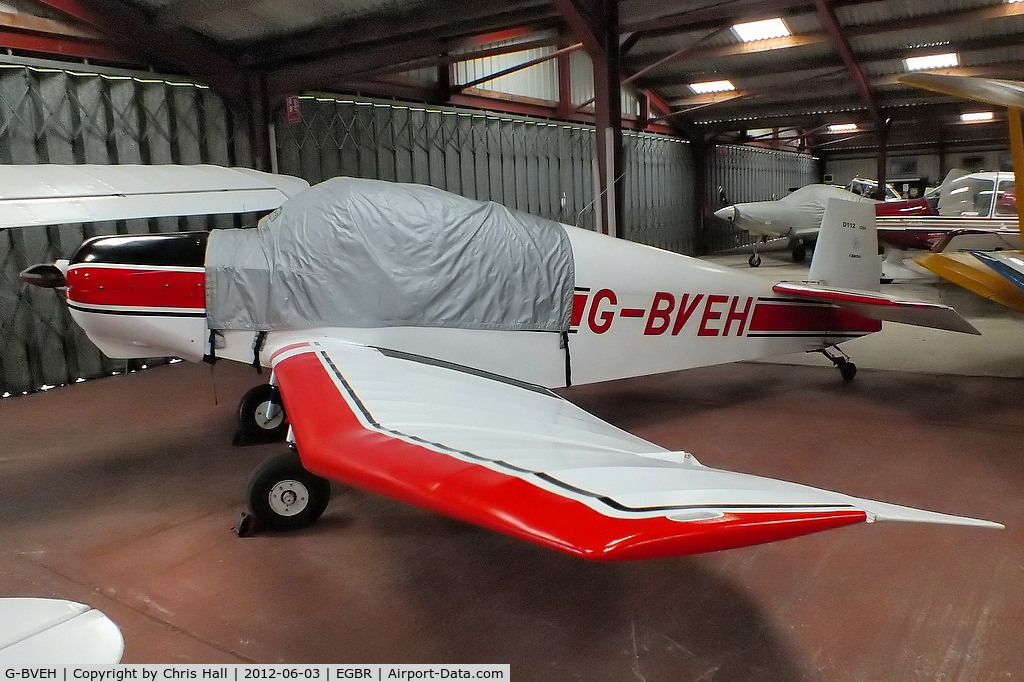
(634, 118)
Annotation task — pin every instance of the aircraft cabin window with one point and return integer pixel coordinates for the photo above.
(1006, 200)
(967, 198)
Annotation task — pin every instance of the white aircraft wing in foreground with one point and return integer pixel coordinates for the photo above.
(518, 459)
(48, 194)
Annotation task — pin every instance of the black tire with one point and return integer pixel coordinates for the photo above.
(282, 495)
(847, 370)
(754, 260)
(253, 426)
(799, 253)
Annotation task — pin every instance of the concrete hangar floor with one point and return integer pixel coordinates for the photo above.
(121, 493)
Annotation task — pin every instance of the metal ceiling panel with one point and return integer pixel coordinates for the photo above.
(348, 46)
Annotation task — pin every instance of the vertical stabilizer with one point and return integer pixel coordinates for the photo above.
(846, 253)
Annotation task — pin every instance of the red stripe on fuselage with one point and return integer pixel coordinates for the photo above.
(136, 287)
(333, 442)
(808, 318)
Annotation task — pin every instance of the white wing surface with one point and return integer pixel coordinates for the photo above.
(50, 194)
(36, 631)
(523, 461)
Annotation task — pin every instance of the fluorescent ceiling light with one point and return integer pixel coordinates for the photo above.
(934, 61)
(761, 30)
(978, 115)
(842, 128)
(712, 86)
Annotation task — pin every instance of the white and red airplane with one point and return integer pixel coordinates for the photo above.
(414, 337)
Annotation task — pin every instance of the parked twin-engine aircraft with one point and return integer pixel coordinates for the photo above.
(995, 273)
(413, 337)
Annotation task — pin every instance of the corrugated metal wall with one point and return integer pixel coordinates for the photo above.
(660, 192)
(56, 115)
(541, 167)
(750, 174)
(536, 82)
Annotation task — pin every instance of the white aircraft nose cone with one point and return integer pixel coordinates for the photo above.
(727, 213)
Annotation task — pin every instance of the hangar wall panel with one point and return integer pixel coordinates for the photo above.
(542, 167)
(749, 174)
(61, 115)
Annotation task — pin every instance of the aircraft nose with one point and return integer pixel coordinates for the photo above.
(46, 275)
(727, 213)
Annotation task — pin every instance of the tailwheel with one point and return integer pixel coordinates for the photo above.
(847, 370)
(283, 495)
(799, 253)
(261, 417)
(842, 361)
(754, 260)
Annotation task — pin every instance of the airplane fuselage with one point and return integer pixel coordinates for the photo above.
(636, 310)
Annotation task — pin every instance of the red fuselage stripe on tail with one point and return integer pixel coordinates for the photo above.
(807, 318)
(333, 442)
(136, 287)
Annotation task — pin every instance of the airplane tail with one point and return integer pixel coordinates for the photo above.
(846, 255)
(846, 271)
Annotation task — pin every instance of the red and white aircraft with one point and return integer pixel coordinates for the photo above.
(413, 337)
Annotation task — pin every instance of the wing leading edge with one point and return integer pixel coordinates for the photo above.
(521, 460)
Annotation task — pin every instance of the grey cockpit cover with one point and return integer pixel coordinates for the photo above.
(351, 252)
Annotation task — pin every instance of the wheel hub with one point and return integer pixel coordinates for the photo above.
(288, 498)
(268, 415)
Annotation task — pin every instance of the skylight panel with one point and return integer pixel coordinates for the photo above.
(712, 86)
(976, 116)
(934, 61)
(842, 128)
(761, 30)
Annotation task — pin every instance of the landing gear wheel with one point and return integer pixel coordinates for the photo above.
(842, 361)
(261, 417)
(799, 253)
(754, 260)
(282, 495)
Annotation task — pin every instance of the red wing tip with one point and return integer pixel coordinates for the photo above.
(728, 531)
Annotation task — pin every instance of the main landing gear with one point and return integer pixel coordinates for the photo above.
(283, 495)
(842, 361)
(261, 417)
(755, 259)
(797, 249)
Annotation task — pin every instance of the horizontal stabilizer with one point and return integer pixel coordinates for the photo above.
(53, 194)
(877, 306)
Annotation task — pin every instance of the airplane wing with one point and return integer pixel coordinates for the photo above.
(523, 461)
(972, 272)
(51, 194)
(1009, 264)
(876, 306)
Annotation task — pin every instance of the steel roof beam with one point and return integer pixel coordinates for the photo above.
(370, 33)
(828, 18)
(595, 23)
(131, 30)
